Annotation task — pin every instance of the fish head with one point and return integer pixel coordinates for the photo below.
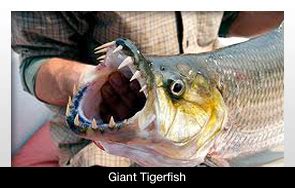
(188, 103)
(183, 113)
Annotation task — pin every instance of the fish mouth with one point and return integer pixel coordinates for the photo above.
(139, 135)
(81, 111)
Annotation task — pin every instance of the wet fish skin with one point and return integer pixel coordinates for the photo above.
(250, 75)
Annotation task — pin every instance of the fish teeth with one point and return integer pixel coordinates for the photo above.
(70, 99)
(94, 124)
(101, 51)
(119, 48)
(105, 45)
(76, 120)
(143, 88)
(112, 122)
(136, 75)
(68, 109)
(101, 57)
(126, 62)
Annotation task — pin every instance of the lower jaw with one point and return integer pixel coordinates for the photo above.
(145, 155)
(139, 138)
(79, 107)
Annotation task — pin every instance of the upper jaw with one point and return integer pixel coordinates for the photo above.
(131, 59)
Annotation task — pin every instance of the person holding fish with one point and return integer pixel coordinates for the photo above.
(91, 67)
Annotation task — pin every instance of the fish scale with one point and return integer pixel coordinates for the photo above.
(252, 74)
(263, 128)
(234, 95)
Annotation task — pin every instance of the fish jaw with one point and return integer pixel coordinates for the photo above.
(189, 125)
(144, 134)
(81, 112)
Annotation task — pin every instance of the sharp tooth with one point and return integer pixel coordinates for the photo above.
(136, 75)
(101, 51)
(143, 88)
(126, 62)
(70, 100)
(105, 45)
(119, 48)
(112, 123)
(68, 109)
(101, 57)
(93, 124)
(76, 120)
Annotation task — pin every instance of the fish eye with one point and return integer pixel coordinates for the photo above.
(177, 88)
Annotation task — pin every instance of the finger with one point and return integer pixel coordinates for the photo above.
(108, 94)
(121, 87)
(140, 97)
(114, 103)
(134, 86)
(105, 112)
(136, 98)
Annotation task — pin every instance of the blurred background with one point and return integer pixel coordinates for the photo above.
(28, 114)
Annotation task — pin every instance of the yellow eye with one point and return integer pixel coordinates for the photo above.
(177, 88)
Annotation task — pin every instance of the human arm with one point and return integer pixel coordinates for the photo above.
(249, 23)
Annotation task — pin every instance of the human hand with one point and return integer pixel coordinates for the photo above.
(120, 98)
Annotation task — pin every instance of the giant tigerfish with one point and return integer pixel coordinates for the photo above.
(206, 108)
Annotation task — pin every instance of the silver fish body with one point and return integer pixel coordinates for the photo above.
(250, 75)
(201, 108)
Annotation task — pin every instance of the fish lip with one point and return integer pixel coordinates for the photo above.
(75, 108)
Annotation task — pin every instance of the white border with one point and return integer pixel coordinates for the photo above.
(5, 89)
(148, 5)
(144, 5)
